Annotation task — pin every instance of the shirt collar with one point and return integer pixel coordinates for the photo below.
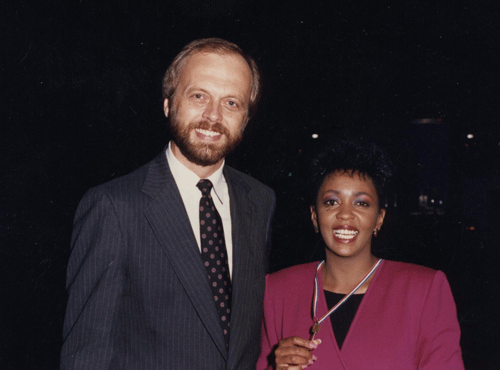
(185, 177)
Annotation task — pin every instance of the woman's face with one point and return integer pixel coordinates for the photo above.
(347, 213)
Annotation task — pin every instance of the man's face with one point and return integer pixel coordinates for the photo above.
(209, 109)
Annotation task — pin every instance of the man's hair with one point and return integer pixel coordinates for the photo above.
(216, 45)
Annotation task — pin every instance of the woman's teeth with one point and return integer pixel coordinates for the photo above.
(345, 234)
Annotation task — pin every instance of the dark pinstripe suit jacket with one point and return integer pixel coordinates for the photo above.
(138, 292)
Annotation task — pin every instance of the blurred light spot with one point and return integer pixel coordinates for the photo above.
(315, 136)
(470, 136)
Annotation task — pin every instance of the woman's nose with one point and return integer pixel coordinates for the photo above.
(345, 212)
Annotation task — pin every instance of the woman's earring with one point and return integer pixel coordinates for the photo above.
(316, 229)
(375, 233)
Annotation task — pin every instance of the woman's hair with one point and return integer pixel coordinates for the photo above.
(352, 157)
(212, 45)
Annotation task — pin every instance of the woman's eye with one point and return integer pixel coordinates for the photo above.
(331, 202)
(362, 203)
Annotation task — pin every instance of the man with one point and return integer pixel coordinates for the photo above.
(167, 271)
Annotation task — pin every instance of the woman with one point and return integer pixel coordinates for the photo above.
(354, 311)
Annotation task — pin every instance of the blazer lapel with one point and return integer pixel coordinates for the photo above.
(170, 223)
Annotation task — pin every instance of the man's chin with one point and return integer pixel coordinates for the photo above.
(202, 152)
(205, 155)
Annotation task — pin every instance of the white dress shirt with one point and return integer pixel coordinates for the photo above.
(186, 181)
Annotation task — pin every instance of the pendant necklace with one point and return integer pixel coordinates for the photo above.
(317, 322)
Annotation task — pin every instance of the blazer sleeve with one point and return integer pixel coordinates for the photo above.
(439, 337)
(95, 283)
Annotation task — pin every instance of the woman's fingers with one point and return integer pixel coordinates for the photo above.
(295, 353)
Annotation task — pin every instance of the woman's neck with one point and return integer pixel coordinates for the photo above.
(341, 275)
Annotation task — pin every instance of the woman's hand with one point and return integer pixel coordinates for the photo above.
(294, 353)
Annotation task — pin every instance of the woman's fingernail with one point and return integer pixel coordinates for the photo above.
(312, 344)
(315, 357)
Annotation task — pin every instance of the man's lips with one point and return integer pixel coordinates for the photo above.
(345, 233)
(208, 135)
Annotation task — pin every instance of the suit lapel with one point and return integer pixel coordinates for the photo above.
(244, 274)
(170, 223)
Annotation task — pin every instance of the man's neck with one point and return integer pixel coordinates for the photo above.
(202, 172)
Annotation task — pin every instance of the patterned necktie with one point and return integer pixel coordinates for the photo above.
(214, 255)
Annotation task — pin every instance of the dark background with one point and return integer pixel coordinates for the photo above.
(81, 104)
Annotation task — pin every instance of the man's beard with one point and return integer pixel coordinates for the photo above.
(202, 154)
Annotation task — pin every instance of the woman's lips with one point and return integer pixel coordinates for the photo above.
(345, 233)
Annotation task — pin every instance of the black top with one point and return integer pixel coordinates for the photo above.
(342, 318)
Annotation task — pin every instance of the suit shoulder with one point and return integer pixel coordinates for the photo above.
(123, 194)
(123, 185)
(247, 179)
(249, 182)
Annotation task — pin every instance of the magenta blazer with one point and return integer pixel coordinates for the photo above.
(406, 320)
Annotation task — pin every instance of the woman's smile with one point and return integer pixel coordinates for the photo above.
(345, 233)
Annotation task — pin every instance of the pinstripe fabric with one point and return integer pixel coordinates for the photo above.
(138, 292)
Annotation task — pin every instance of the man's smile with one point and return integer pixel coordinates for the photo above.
(207, 133)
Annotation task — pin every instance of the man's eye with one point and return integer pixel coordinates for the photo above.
(197, 96)
(232, 103)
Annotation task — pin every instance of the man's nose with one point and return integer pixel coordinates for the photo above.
(213, 111)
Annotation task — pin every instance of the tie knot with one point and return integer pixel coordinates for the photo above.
(205, 186)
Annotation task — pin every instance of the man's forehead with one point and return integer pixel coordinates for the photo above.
(221, 70)
(204, 57)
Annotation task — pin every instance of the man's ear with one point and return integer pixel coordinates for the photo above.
(166, 107)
